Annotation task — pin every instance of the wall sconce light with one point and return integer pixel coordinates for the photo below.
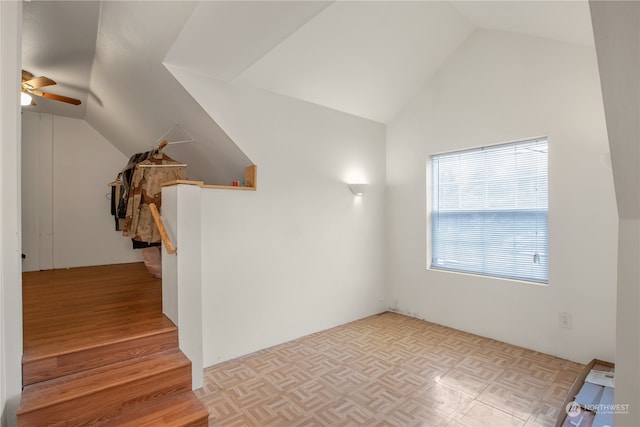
(358, 189)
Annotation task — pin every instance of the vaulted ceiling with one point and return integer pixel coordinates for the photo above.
(363, 58)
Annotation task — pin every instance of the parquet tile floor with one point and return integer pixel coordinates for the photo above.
(389, 370)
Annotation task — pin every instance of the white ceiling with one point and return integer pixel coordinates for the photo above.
(222, 39)
(366, 58)
(129, 96)
(563, 20)
(59, 41)
(363, 58)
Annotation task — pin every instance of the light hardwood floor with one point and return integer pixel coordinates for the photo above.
(389, 370)
(70, 309)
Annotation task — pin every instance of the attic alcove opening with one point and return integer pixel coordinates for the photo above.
(177, 135)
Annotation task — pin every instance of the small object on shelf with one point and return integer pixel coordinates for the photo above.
(603, 378)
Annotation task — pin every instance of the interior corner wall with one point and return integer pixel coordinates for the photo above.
(302, 253)
(616, 28)
(67, 219)
(10, 280)
(501, 87)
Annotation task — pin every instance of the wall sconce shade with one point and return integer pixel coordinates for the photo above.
(358, 189)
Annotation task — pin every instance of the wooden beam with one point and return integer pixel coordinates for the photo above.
(250, 175)
(163, 233)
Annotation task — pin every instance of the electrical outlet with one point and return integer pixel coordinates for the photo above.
(564, 319)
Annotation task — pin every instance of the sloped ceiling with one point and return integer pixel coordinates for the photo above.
(567, 21)
(141, 101)
(363, 58)
(367, 59)
(130, 98)
(59, 41)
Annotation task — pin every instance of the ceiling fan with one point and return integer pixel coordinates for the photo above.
(31, 86)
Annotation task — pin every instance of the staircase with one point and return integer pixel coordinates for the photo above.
(99, 352)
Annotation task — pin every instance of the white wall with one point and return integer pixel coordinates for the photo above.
(67, 220)
(501, 87)
(10, 280)
(301, 253)
(616, 27)
(182, 272)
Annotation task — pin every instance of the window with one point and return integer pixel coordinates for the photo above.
(489, 211)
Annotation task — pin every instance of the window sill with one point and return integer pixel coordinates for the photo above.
(489, 277)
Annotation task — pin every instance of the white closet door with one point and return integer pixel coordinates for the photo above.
(37, 191)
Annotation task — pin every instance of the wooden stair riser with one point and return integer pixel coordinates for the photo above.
(55, 366)
(109, 400)
(184, 410)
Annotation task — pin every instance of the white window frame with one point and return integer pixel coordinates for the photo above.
(430, 219)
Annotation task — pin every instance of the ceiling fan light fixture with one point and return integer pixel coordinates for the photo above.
(30, 87)
(25, 99)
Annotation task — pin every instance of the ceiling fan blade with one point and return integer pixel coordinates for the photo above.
(26, 75)
(39, 82)
(55, 97)
(61, 98)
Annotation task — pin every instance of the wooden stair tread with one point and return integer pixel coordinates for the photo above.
(69, 387)
(80, 340)
(184, 409)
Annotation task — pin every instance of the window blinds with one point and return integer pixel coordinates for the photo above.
(489, 211)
